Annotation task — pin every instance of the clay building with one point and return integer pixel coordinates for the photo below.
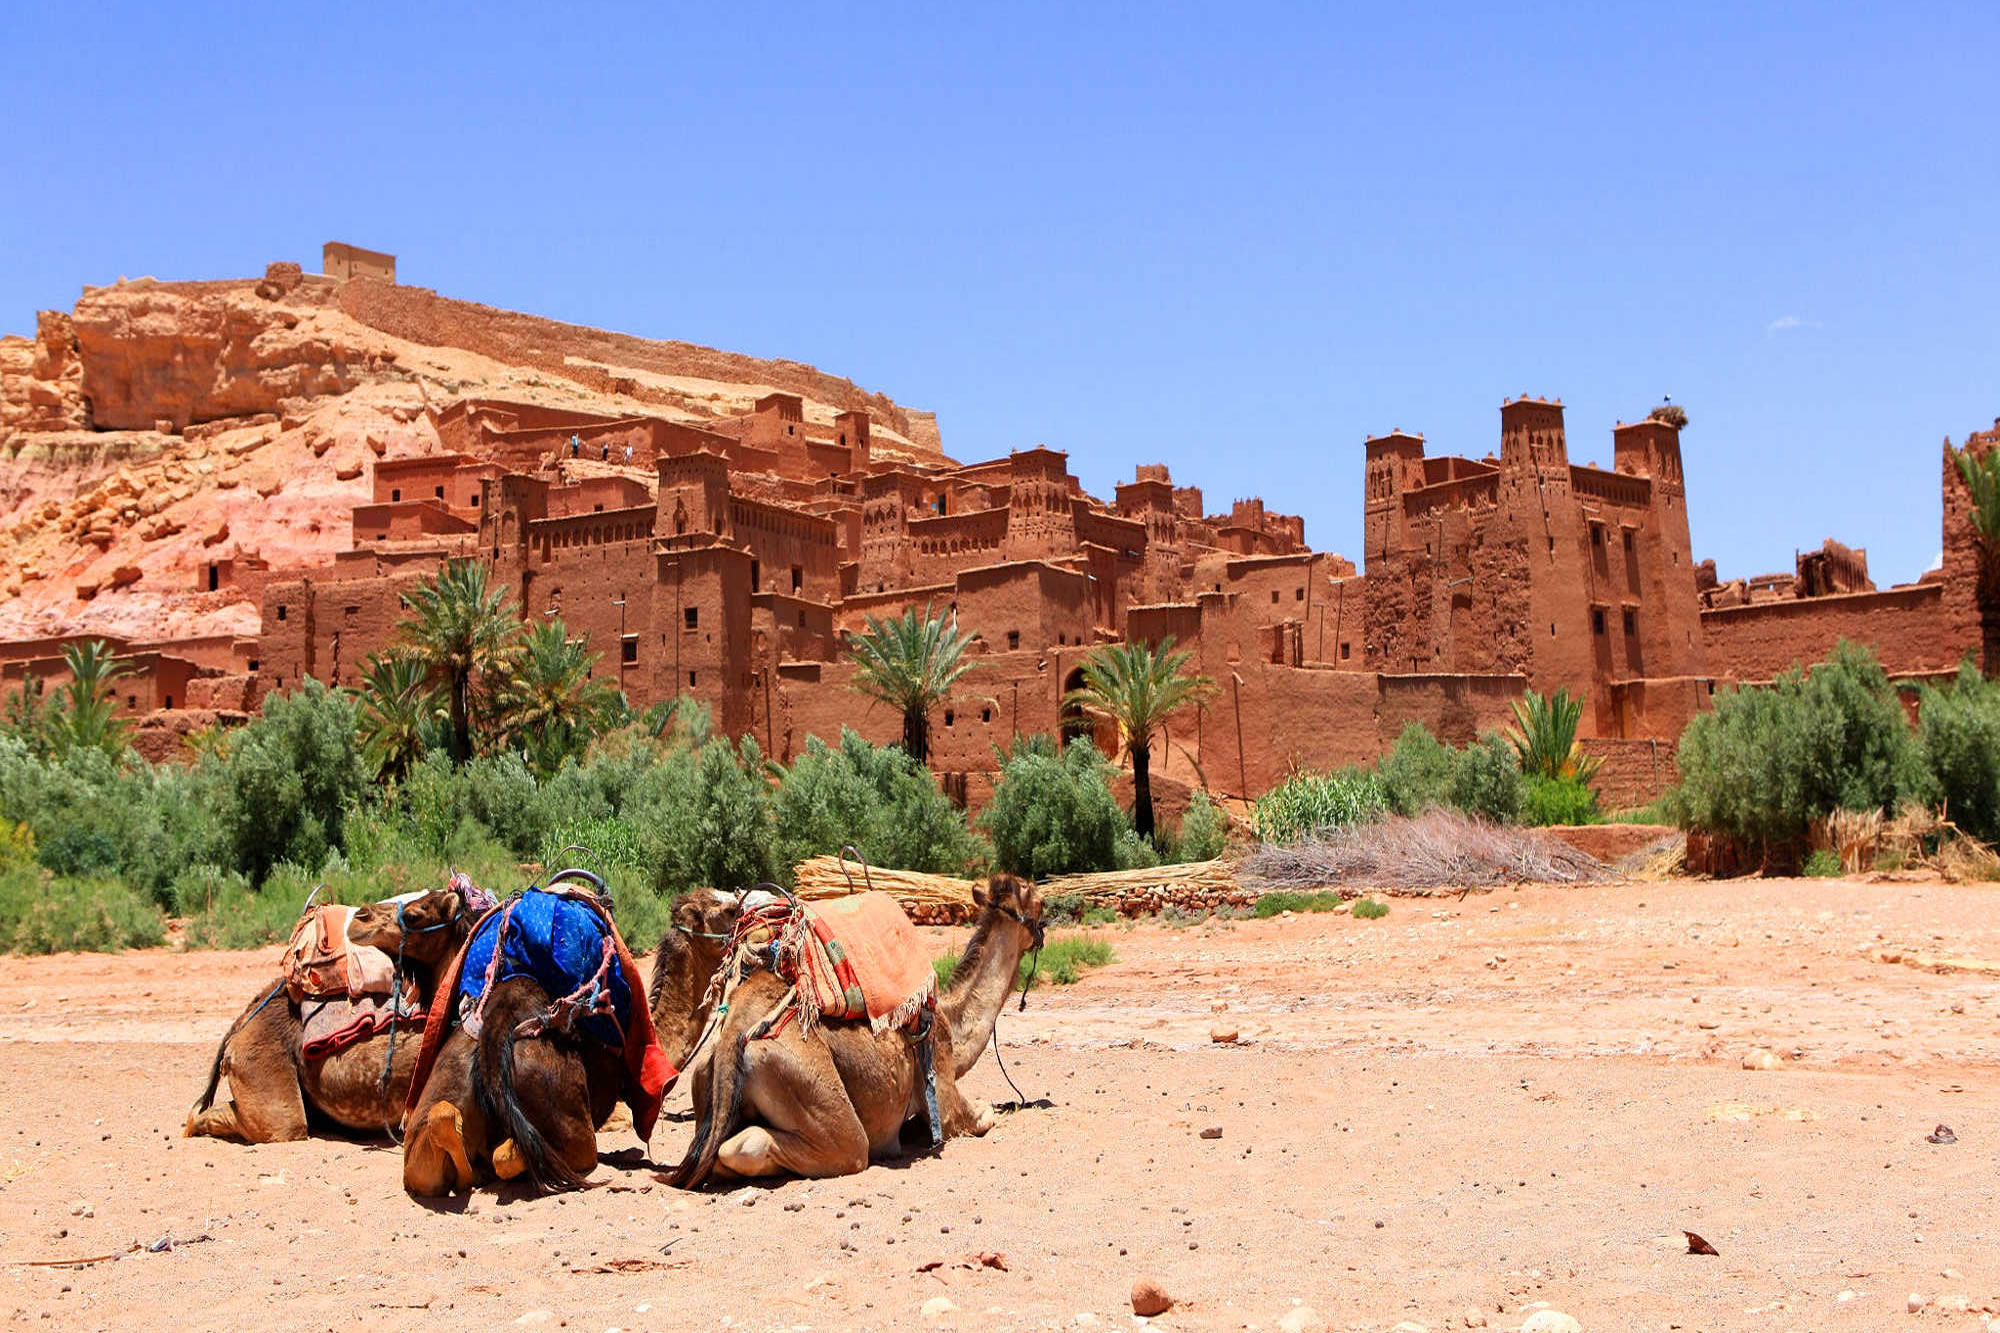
(342, 261)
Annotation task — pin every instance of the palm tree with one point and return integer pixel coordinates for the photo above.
(460, 630)
(1544, 736)
(1139, 685)
(87, 711)
(398, 702)
(548, 700)
(1981, 474)
(910, 663)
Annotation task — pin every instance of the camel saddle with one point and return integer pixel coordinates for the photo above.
(322, 963)
(851, 958)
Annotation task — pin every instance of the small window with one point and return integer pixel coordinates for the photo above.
(396, 494)
(131, 701)
(756, 577)
(802, 619)
(629, 651)
(1596, 535)
(1597, 620)
(1552, 629)
(1274, 596)
(439, 490)
(1630, 623)
(798, 577)
(281, 611)
(475, 499)
(690, 680)
(350, 611)
(950, 717)
(1628, 543)
(253, 664)
(1298, 594)
(1346, 651)
(1013, 635)
(1552, 546)
(168, 702)
(1711, 687)
(985, 715)
(691, 617)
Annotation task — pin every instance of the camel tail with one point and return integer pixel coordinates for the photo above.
(725, 1106)
(546, 1168)
(207, 1098)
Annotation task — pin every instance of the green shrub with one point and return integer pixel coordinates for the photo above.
(1417, 772)
(1054, 816)
(245, 918)
(197, 889)
(1958, 740)
(1769, 760)
(1135, 853)
(501, 793)
(1274, 904)
(1307, 804)
(1823, 864)
(1368, 909)
(875, 798)
(1486, 781)
(704, 818)
(40, 914)
(1204, 831)
(289, 778)
(1558, 801)
(1064, 959)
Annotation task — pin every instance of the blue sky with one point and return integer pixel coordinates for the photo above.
(1234, 238)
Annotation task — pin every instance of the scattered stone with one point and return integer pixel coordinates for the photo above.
(1942, 1135)
(1550, 1321)
(1696, 1245)
(937, 1307)
(1212, 1132)
(1916, 1302)
(1473, 1318)
(1301, 1319)
(1761, 1057)
(82, 1209)
(1224, 1034)
(536, 1317)
(1150, 1298)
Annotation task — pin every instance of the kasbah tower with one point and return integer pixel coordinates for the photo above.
(235, 482)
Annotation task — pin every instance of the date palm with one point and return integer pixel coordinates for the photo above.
(910, 662)
(87, 710)
(1981, 475)
(460, 629)
(548, 701)
(1139, 686)
(398, 705)
(1544, 736)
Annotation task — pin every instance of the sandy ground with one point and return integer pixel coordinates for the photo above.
(1450, 1114)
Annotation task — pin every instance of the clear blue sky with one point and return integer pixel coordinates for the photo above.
(1235, 238)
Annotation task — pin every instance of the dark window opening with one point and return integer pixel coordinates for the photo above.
(1298, 594)
(1596, 620)
(396, 494)
(167, 702)
(798, 577)
(1346, 651)
(1630, 623)
(1013, 635)
(281, 613)
(214, 578)
(131, 701)
(690, 680)
(1552, 546)
(253, 664)
(802, 620)
(350, 611)
(1711, 687)
(1552, 629)
(985, 715)
(475, 499)
(439, 491)
(691, 617)
(756, 577)
(1274, 595)
(950, 717)
(1596, 535)
(1628, 543)
(629, 652)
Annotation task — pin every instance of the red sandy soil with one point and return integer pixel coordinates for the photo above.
(1452, 1113)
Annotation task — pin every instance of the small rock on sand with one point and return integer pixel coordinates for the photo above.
(1301, 1319)
(1550, 1321)
(1212, 1132)
(1761, 1057)
(1224, 1034)
(937, 1307)
(1472, 1318)
(1150, 1298)
(1916, 1302)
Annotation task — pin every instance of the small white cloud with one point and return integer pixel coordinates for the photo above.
(1783, 323)
(1937, 562)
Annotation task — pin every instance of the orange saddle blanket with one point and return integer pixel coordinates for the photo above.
(321, 962)
(861, 958)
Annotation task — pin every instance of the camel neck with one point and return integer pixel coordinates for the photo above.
(680, 990)
(987, 973)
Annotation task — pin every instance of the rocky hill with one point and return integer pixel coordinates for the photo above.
(161, 426)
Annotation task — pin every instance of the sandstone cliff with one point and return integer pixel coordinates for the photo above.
(160, 427)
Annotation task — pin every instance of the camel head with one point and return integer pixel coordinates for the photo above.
(1018, 900)
(706, 917)
(427, 928)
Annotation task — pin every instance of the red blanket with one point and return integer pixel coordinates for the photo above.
(863, 960)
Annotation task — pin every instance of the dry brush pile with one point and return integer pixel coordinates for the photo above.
(1438, 851)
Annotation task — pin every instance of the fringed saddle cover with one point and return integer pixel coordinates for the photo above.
(322, 963)
(333, 1024)
(860, 957)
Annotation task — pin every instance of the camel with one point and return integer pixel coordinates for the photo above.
(500, 1106)
(826, 1102)
(274, 1090)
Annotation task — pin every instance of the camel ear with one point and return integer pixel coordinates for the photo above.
(982, 897)
(687, 913)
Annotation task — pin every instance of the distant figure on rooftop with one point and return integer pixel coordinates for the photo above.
(574, 445)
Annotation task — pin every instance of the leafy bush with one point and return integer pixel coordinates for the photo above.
(197, 889)
(876, 798)
(40, 913)
(1769, 760)
(705, 818)
(1958, 739)
(289, 778)
(1569, 800)
(1274, 904)
(1054, 816)
(1310, 803)
(1417, 772)
(1134, 852)
(1062, 961)
(1368, 909)
(501, 793)
(1204, 831)
(1823, 864)
(1486, 781)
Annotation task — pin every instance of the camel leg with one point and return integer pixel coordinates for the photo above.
(961, 1114)
(266, 1103)
(806, 1124)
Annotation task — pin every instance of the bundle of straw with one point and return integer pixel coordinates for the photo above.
(1196, 877)
(825, 877)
